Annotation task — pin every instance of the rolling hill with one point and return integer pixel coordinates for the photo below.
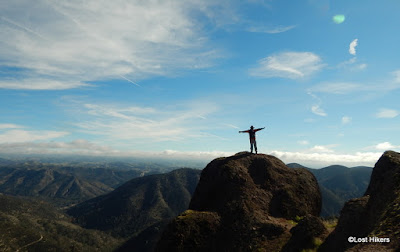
(62, 185)
(32, 225)
(139, 203)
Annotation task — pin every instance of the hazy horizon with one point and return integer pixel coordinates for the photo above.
(170, 161)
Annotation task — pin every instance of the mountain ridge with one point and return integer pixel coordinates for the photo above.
(61, 186)
(339, 184)
(139, 203)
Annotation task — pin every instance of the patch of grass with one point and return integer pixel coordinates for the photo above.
(298, 218)
(330, 223)
(317, 242)
(186, 214)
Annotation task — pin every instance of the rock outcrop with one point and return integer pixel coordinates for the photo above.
(306, 235)
(374, 216)
(244, 202)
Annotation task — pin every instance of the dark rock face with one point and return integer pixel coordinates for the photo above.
(192, 231)
(256, 183)
(243, 203)
(304, 235)
(377, 214)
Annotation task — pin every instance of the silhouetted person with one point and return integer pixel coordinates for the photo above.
(252, 135)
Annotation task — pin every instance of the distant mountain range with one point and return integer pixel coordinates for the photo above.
(338, 184)
(62, 185)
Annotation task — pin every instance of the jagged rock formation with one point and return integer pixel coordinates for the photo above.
(243, 203)
(376, 214)
(139, 203)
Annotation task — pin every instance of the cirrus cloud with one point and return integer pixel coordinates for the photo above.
(292, 65)
(387, 113)
(77, 41)
(316, 109)
(346, 120)
(19, 135)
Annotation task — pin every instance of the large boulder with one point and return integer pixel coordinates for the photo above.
(244, 202)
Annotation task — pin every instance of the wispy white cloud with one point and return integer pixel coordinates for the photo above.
(316, 109)
(76, 147)
(293, 65)
(396, 75)
(80, 42)
(360, 66)
(336, 87)
(131, 81)
(352, 47)
(303, 142)
(10, 126)
(270, 29)
(19, 135)
(230, 125)
(321, 149)
(385, 146)
(346, 120)
(352, 65)
(41, 84)
(343, 87)
(145, 124)
(387, 113)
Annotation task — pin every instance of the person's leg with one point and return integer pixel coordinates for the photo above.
(251, 146)
(255, 146)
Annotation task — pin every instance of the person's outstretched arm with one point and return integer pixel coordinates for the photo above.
(244, 131)
(259, 129)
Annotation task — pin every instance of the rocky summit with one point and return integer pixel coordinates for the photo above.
(248, 202)
(372, 222)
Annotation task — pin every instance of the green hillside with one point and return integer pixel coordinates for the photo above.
(30, 225)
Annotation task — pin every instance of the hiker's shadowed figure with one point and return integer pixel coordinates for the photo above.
(252, 136)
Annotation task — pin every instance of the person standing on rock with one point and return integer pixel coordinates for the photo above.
(252, 135)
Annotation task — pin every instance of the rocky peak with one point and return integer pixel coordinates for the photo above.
(244, 202)
(256, 183)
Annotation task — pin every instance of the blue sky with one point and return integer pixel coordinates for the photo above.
(180, 78)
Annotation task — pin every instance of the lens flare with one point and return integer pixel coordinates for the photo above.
(338, 19)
